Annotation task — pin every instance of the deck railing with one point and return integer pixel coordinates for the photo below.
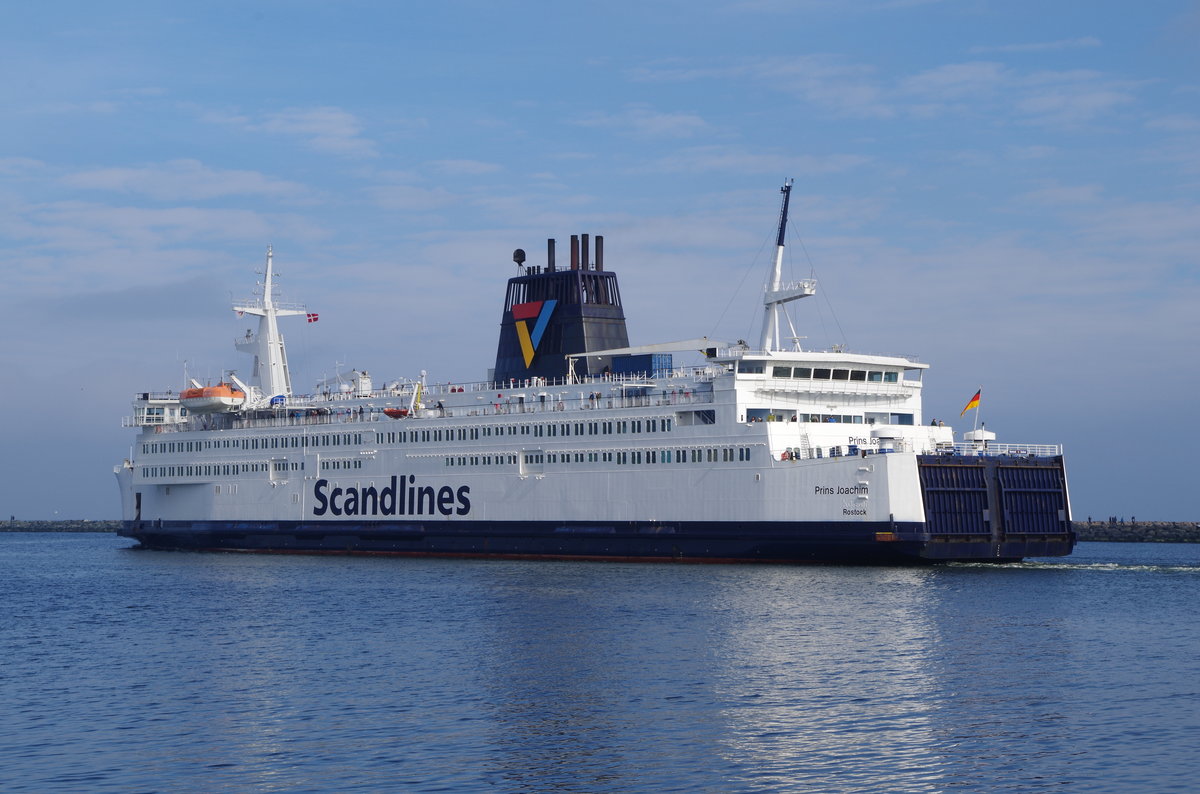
(996, 448)
(328, 413)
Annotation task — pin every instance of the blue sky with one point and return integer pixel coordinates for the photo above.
(1008, 190)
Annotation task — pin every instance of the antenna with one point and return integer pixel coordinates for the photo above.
(786, 190)
(777, 293)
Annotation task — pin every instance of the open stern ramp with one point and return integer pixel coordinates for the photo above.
(1016, 506)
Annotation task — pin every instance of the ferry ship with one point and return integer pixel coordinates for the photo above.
(578, 445)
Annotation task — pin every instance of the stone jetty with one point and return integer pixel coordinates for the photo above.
(1120, 530)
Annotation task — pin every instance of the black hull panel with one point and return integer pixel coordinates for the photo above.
(1016, 505)
(790, 542)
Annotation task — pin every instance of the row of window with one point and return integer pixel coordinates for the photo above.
(355, 463)
(796, 453)
(482, 460)
(429, 435)
(229, 469)
(540, 430)
(224, 469)
(783, 415)
(624, 457)
(253, 443)
(705, 455)
(822, 373)
(818, 373)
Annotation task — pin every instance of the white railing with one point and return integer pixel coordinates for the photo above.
(302, 415)
(898, 389)
(995, 448)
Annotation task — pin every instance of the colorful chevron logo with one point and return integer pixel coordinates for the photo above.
(539, 312)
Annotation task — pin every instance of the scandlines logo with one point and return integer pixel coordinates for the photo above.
(539, 312)
(400, 497)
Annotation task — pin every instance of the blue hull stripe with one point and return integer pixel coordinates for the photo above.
(880, 542)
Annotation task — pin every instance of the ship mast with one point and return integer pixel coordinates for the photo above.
(270, 377)
(776, 292)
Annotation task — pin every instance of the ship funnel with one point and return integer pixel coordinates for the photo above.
(552, 313)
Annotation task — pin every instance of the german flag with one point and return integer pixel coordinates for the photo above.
(974, 403)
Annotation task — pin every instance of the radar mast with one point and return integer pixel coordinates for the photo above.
(776, 293)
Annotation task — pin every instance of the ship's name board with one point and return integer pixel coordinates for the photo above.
(401, 497)
(841, 490)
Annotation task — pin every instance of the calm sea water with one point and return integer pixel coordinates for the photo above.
(124, 670)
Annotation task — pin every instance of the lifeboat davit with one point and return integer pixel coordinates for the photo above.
(212, 399)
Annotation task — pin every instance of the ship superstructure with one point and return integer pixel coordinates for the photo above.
(579, 445)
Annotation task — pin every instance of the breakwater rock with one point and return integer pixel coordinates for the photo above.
(74, 525)
(1120, 531)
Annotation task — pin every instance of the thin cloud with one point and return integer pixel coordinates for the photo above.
(465, 167)
(1032, 152)
(1041, 46)
(1156, 231)
(1051, 98)
(101, 107)
(14, 166)
(957, 80)
(77, 226)
(1174, 123)
(740, 159)
(409, 198)
(1060, 195)
(183, 180)
(642, 121)
(326, 129)
(842, 88)
(1063, 98)
(1071, 103)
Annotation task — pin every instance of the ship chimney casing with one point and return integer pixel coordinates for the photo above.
(585, 259)
(574, 251)
(599, 252)
(550, 255)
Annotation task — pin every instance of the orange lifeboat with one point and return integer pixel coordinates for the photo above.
(395, 413)
(212, 399)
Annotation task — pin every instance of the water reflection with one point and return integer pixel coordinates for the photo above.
(146, 671)
(748, 677)
(590, 673)
(824, 677)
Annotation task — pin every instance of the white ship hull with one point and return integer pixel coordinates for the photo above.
(576, 451)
